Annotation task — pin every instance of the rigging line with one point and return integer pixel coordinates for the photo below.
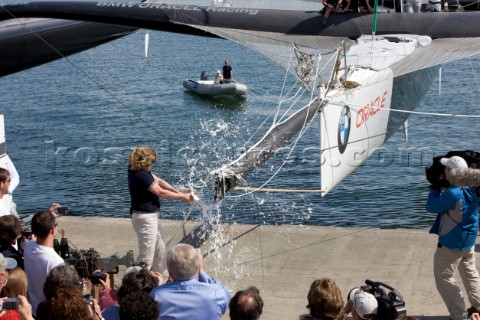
(301, 87)
(304, 246)
(380, 134)
(283, 98)
(474, 74)
(259, 127)
(90, 78)
(453, 115)
(294, 95)
(305, 88)
(259, 95)
(301, 133)
(275, 110)
(292, 105)
(283, 86)
(318, 75)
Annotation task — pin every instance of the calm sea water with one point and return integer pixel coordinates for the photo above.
(70, 126)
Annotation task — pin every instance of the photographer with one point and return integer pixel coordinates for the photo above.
(361, 304)
(456, 225)
(134, 281)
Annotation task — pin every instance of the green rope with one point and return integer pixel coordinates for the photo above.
(374, 23)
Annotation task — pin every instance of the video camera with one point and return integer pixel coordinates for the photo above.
(110, 264)
(390, 305)
(26, 223)
(435, 173)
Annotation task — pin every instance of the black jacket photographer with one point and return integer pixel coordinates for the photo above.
(10, 229)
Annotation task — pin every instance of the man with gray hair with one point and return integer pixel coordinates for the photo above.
(191, 293)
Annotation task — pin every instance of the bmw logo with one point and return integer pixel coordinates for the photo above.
(344, 129)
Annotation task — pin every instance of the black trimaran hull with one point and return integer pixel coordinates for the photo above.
(74, 37)
(24, 47)
(163, 17)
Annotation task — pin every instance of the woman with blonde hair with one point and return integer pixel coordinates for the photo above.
(145, 190)
(16, 285)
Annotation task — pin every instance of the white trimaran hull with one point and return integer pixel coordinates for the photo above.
(353, 124)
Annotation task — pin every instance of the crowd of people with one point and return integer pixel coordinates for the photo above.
(44, 287)
(367, 6)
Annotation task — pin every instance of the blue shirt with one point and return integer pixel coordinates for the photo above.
(139, 184)
(202, 299)
(111, 313)
(457, 220)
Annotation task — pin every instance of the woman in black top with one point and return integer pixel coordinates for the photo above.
(145, 190)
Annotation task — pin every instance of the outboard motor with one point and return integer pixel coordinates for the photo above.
(204, 75)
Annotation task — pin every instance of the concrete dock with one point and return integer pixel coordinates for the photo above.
(282, 261)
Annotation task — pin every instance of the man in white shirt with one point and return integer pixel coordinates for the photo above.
(39, 256)
(4, 185)
(6, 163)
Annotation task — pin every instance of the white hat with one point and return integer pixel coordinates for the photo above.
(7, 263)
(454, 162)
(364, 303)
(218, 71)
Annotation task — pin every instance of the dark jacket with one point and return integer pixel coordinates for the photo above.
(10, 252)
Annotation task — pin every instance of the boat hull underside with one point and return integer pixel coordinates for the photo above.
(24, 47)
(409, 92)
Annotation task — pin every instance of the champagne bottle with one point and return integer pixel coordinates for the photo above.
(64, 248)
(56, 246)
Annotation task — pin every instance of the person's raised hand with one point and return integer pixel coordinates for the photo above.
(24, 308)
(158, 276)
(201, 259)
(106, 283)
(54, 207)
